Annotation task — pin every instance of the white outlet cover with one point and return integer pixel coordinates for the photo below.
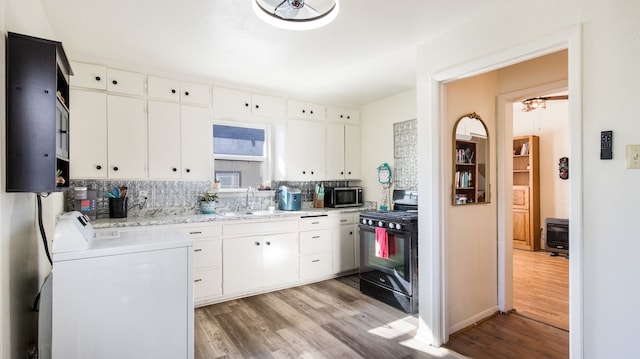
(633, 156)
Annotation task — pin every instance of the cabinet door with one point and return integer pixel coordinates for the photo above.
(125, 82)
(280, 259)
(343, 115)
(228, 101)
(88, 134)
(127, 137)
(521, 239)
(197, 143)
(242, 264)
(344, 248)
(62, 131)
(305, 110)
(296, 150)
(197, 94)
(316, 151)
(352, 162)
(335, 151)
(164, 140)
(89, 76)
(163, 89)
(267, 106)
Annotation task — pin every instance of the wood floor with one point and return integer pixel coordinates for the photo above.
(541, 287)
(332, 319)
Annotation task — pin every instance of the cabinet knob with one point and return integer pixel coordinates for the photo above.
(350, 233)
(341, 116)
(188, 170)
(256, 243)
(173, 90)
(46, 91)
(304, 111)
(311, 172)
(174, 169)
(268, 243)
(304, 172)
(341, 173)
(246, 104)
(186, 93)
(98, 78)
(98, 167)
(348, 117)
(349, 172)
(311, 112)
(257, 106)
(115, 82)
(115, 168)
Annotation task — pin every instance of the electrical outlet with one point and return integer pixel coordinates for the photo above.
(143, 194)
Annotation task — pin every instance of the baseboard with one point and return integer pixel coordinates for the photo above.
(473, 319)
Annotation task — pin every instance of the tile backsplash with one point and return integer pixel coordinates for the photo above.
(181, 197)
(405, 154)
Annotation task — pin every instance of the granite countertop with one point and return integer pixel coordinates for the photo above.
(205, 218)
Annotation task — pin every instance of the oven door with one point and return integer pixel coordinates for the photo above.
(393, 272)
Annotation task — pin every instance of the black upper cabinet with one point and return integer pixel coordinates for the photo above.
(37, 114)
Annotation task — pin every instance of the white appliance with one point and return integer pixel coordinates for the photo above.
(120, 294)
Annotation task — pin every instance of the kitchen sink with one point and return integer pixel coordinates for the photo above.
(247, 213)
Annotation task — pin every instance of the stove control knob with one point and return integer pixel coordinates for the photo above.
(364, 221)
(391, 225)
(398, 226)
(369, 222)
(380, 223)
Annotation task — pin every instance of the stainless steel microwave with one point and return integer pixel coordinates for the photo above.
(337, 197)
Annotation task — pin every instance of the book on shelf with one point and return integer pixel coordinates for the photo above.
(524, 150)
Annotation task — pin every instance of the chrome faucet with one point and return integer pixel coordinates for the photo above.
(246, 199)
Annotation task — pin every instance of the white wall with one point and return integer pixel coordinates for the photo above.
(376, 129)
(22, 261)
(610, 54)
(552, 126)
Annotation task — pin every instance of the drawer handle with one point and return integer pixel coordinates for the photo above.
(197, 280)
(315, 261)
(315, 237)
(343, 220)
(198, 250)
(315, 222)
(198, 232)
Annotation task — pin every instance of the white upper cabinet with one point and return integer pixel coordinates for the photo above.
(229, 102)
(88, 140)
(164, 140)
(172, 90)
(127, 137)
(196, 133)
(159, 88)
(352, 152)
(305, 110)
(125, 82)
(343, 152)
(196, 94)
(305, 151)
(343, 115)
(89, 76)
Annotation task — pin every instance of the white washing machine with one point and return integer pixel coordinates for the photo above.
(120, 294)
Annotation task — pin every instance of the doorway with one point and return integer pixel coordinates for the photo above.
(434, 222)
(541, 275)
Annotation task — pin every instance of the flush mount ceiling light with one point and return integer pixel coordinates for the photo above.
(296, 14)
(535, 103)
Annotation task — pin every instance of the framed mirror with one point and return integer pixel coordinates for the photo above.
(470, 161)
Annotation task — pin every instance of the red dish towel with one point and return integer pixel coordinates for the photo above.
(382, 243)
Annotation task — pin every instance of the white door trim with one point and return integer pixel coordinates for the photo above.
(433, 299)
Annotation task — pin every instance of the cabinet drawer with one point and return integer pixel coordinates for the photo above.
(163, 89)
(260, 228)
(347, 218)
(315, 265)
(207, 253)
(201, 232)
(521, 197)
(192, 93)
(207, 283)
(315, 241)
(89, 76)
(312, 223)
(125, 82)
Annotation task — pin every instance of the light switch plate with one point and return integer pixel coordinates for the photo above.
(633, 156)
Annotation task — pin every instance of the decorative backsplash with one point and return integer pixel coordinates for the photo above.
(181, 197)
(405, 154)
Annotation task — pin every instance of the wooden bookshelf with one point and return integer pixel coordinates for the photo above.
(526, 193)
(466, 172)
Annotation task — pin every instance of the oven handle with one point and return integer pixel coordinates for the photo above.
(392, 231)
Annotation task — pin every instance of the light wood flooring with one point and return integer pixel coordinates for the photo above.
(541, 287)
(332, 319)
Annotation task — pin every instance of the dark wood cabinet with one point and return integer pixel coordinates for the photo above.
(37, 132)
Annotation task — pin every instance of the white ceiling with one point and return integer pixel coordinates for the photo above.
(366, 54)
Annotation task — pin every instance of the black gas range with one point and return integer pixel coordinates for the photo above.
(389, 256)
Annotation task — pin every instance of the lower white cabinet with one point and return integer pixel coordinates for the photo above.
(346, 243)
(207, 261)
(255, 262)
(315, 247)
